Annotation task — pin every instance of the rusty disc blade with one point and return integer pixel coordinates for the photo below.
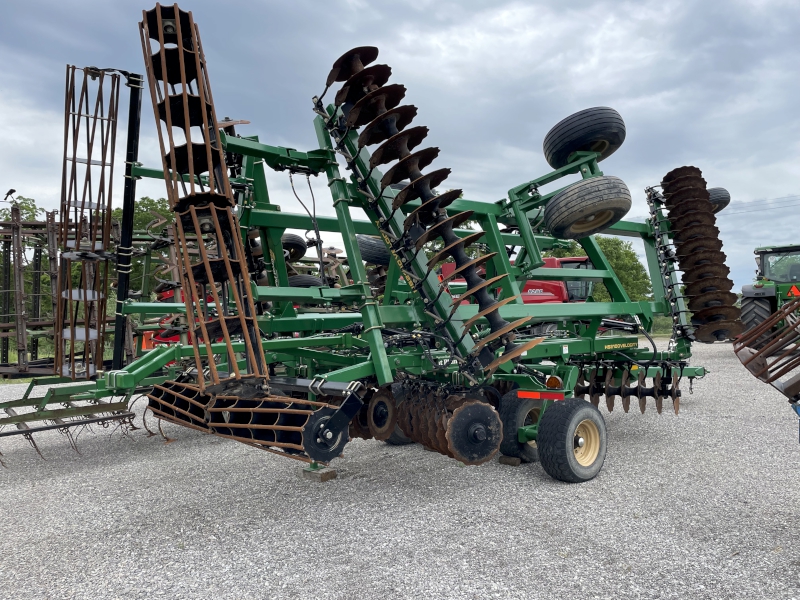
(398, 146)
(711, 284)
(350, 63)
(718, 331)
(443, 226)
(516, 352)
(410, 167)
(496, 335)
(384, 126)
(428, 211)
(694, 232)
(705, 272)
(475, 263)
(688, 199)
(474, 432)
(697, 245)
(413, 190)
(692, 205)
(697, 217)
(624, 394)
(710, 299)
(374, 104)
(483, 285)
(445, 252)
(680, 172)
(715, 314)
(657, 392)
(680, 183)
(702, 259)
(676, 399)
(382, 415)
(361, 83)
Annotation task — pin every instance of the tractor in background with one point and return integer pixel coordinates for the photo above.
(777, 282)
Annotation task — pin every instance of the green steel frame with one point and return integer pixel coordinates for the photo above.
(321, 353)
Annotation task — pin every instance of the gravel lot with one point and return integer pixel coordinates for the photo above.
(703, 505)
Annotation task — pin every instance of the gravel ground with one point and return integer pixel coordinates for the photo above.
(703, 505)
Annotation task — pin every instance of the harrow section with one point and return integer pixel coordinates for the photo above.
(213, 271)
(92, 98)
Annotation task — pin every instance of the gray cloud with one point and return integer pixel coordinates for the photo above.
(706, 83)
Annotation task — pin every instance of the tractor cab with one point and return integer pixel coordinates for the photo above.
(780, 264)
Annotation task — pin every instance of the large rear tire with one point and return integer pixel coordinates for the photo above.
(754, 312)
(572, 441)
(599, 129)
(587, 207)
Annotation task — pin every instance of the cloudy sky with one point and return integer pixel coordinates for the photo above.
(712, 84)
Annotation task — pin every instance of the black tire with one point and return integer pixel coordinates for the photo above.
(719, 197)
(305, 281)
(754, 312)
(559, 430)
(600, 129)
(518, 412)
(398, 438)
(294, 245)
(587, 207)
(373, 250)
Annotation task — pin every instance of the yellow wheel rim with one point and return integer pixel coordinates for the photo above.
(593, 221)
(587, 443)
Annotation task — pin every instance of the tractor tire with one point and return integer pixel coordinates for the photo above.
(305, 281)
(373, 250)
(294, 246)
(600, 129)
(562, 455)
(398, 438)
(517, 412)
(587, 207)
(755, 311)
(719, 197)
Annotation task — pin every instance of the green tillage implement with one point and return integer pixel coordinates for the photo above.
(419, 355)
(574, 358)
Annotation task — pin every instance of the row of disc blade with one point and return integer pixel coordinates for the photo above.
(706, 280)
(632, 384)
(367, 103)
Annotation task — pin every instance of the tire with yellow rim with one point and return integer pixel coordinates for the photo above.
(587, 207)
(572, 441)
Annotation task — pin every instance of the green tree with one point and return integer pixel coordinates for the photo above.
(622, 257)
(28, 210)
(146, 209)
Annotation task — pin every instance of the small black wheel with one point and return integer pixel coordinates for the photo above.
(719, 197)
(599, 129)
(572, 441)
(315, 443)
(398, 438)
(587, 207)
(294, 246)
(305, 281)
(518, 412)
(373, 250)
